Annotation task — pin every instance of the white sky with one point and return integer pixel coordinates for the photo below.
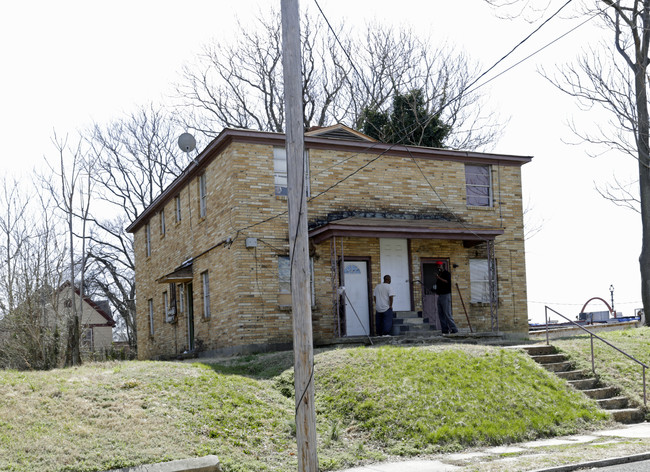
(66, 64)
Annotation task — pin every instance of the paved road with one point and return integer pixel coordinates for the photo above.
(631, 467)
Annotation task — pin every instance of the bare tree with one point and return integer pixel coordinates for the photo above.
(613, 76)
(136, 158)
(29, 325)
(71, 190)
(14, 234)
(240, 84)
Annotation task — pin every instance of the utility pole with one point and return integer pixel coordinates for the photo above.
(303, 350)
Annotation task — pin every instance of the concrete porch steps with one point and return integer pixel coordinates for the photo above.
(607, 397)
(408, 322)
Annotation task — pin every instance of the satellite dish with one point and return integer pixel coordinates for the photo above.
(186, 142)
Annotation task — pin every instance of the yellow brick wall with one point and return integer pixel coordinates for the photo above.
(246, 306)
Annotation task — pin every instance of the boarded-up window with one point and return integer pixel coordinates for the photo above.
(479, 277)
(478, 184)
(284, 276)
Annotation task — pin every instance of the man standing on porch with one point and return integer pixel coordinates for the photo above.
(443, 289)
(383, 298)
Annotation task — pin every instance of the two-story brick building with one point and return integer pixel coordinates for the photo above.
(212, 255)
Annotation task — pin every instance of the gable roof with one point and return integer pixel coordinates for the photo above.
(316, 139)
(109, 319)
(338, 131)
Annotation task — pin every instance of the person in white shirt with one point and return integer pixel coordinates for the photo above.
(383, 298)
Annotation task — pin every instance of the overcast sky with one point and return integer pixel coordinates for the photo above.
(67, 64)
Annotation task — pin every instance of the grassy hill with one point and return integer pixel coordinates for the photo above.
(371, 403)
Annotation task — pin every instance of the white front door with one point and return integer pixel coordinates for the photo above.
(357, 321)
(393, 255)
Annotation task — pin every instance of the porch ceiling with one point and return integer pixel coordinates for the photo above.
(402, 228)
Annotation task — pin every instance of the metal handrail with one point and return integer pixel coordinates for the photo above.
(592, 336)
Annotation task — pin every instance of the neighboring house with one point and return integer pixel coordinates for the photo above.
(96, 320)
(212, 254)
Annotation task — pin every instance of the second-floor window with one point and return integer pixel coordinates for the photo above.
(478, 184)
(280, 171)
(162, 222)
(178, 209)
(202, 196)
(147, 230)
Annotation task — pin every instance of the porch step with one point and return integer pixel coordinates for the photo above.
(407, 314)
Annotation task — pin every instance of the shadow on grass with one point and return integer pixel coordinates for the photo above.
(256, 366)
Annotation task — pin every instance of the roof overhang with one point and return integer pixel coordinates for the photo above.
(181, 275)
(358, 227)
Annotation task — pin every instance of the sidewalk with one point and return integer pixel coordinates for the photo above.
(558, 454)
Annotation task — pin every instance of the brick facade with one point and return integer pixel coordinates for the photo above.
(248, 309)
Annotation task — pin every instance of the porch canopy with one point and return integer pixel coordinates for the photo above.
(361, 227)
(180, 275)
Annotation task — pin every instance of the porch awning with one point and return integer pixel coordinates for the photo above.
(404, 228)
(181, 274)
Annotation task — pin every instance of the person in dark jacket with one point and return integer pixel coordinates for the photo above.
(443, 289)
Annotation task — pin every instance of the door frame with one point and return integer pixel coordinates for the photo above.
(189, 300)
(433, 260)
(368, 261)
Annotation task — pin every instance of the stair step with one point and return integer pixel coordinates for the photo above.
(558, 367)
(584, 384)
(549, 358)
(539, 349)
(614, 403)
(628, 415)
(407, 314)
(413, 321)
(601, 393)
(573, 375)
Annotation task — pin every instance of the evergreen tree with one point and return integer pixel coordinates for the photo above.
(408, 121)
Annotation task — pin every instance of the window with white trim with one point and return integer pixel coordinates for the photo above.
(479, 278)
(478, 185)
(202, 196)
(150, 317)
(147, 230)
(280, 171)
(205, 281)
(162, 222)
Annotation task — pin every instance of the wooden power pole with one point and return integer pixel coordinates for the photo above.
(303, 350)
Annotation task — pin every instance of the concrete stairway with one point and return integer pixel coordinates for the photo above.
(608, 398)
(409, 322)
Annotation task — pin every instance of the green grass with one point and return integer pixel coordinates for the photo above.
(614, 368)
(372, 404)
